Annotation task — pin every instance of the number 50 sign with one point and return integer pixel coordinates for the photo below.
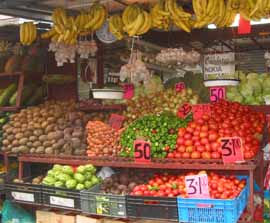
(142, 151)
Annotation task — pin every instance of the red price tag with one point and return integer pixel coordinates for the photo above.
(180, 86)
(128, 91)
(197, 186)
(184, 110)
(217, 93)
(116, 121)
(142, 151)
(199, 110)
(244, 26)
(231, 148)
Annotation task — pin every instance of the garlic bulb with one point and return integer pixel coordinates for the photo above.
(63, 53)
(86, 48)
(178, 56)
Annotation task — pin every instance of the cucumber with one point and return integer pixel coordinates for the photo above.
(27, 91)
(8, 92)
(36, 98)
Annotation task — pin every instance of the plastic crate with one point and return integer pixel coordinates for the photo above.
(156, 208)
(94, 202)
(193, 210)
(24, 192)
(61, 198)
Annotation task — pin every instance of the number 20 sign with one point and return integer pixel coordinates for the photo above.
(142, 151)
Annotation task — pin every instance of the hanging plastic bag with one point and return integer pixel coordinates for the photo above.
(12, 213)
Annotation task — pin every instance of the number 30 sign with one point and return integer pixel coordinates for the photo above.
(142, 151)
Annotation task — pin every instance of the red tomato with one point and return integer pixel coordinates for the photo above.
(186, 155)
(188, 142)
(195, 155)
(215, 155)
(189, 149)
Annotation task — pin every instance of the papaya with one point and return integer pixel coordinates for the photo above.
(36, 98)
(13, 64)
(27, 91)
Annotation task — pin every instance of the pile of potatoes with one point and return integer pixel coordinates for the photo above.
(51, 128)
(124, 182)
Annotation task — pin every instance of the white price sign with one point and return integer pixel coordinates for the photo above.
(65, 202)
(20, 196)
(220, 63)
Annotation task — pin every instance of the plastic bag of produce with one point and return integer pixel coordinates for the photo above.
(12, 213)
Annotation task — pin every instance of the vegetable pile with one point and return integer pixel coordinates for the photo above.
(253, 89)
(227, 119)
(83, 177)
(102, 139)
(122, 183)
(50, 128)
(160, 130)
(168, 185)
(167, 100)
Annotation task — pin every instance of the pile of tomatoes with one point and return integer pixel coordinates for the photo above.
(167, 185)
(201, 138)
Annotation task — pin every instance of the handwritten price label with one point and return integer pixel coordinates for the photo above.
(142, 151)
(231, 149)
(116, 121)
(128, 91)
(180, 86)
(217, 93)
(197, 186)
(200, 109)
(184, 110)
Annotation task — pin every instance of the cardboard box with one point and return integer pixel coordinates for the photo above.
(60, 218)
(83, 219)
(45, 217)
(111, 220)
(51, 217)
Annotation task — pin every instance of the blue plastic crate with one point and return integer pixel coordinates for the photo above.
(193, 210)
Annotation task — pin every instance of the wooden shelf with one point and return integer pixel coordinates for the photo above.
(102, 107)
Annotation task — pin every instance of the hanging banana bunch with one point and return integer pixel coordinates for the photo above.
(160, 16)
(136, 20)
(179, 17)
(96, 17)
(259, 9)
(116, 26)
(28, 33)
(81, 20)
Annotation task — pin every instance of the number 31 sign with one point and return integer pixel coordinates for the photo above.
(197, 186)
(142, 151)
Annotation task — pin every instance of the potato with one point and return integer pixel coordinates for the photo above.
(32, 150)
(40, 149)
(10, 138)
(27, 133)
(76, 143)
(15, 150)
(23, 149)
(15, 142)
(49, 128)
(44, 124)
(37, 144)
(33, 138)
(29, 144)
(23, 141)
(47, 143)
(49, 150)
(42, 138)
(68, 131)
(19, 136)
(5, 142)
(38, 132)
(77, 134)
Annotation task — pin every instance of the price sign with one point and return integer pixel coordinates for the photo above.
(59, 201)
(184, 110)
(142, 151)
(116, 121)
(231, 149)
(180, 86)
(197, 186)
(128, 91)
(20, 196)
(200, 109)
(217, 93)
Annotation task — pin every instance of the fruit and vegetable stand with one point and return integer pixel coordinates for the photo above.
(139, 112)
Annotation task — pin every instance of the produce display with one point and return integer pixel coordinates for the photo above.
(123, 183)
(28, 33)
(82, 177)
(227, 119)
(102, 139)
(169, 185)
(252, 90)
(50, 128)
(160, 130)
(116, 26)
(136, 20)
(168, 100)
